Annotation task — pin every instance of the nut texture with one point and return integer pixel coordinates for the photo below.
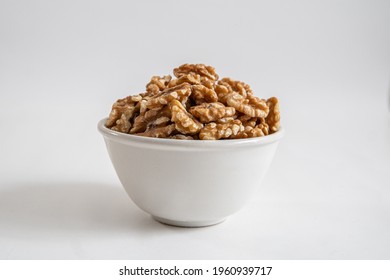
(201, 69)
(122, 112)
(180, 92)
(193, 79)
(158, 132)
(273, 118)
(157, 84)
(253, 107)
(142, 121)
(202, 94)
(185, 122)
(237, 86)
(195, 105)
(216, 131)
(210, 112)
(182, 137)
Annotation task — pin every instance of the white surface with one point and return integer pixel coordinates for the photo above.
(327, 194)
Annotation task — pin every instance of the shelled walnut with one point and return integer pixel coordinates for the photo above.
(195, 105)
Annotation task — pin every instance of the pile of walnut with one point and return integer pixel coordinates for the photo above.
(195, 105)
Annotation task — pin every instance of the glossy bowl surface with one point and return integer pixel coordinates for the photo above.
(189, 183)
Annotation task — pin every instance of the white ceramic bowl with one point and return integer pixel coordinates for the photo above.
(189, 183)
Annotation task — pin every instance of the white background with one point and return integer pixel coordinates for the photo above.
(63, 63)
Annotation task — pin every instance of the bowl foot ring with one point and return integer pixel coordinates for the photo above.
(190, 224)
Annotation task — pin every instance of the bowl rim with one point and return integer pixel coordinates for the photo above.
(130, 138)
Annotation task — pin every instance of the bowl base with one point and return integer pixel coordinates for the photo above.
(188, 223)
